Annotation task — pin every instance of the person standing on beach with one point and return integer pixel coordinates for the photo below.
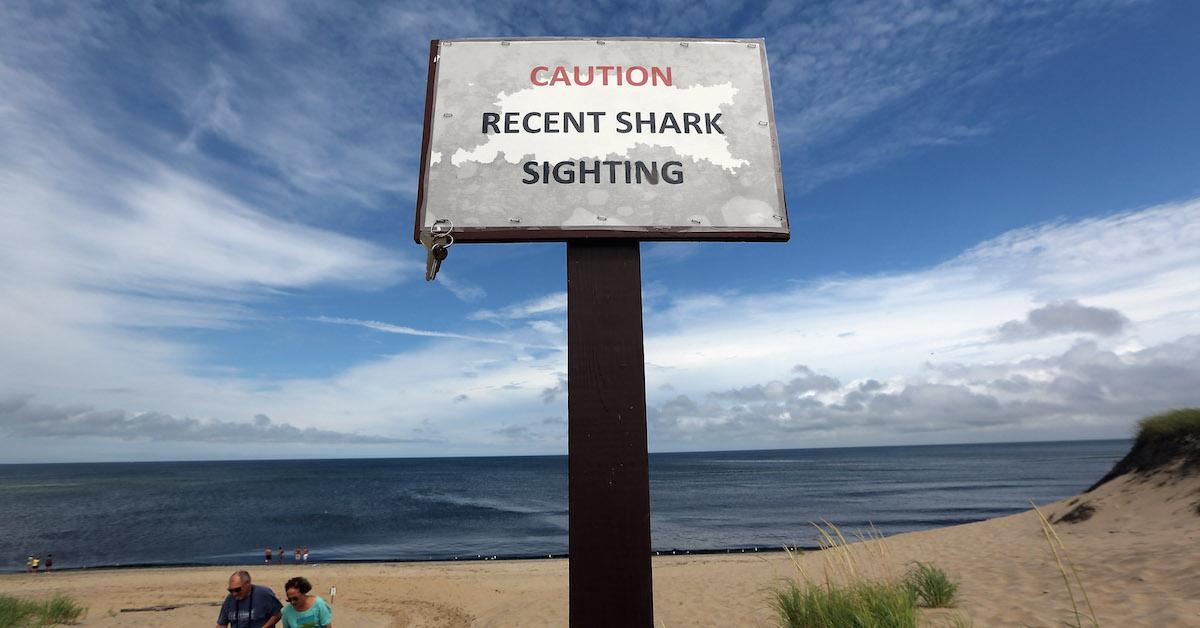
(49, 562)
(35, 562)
(279, 554)
(29, 564)
(304, 610)
(248, 605)
(306, 554)
(267, 556)
(296, 555)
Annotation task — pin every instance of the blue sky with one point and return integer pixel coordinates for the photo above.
(206, 211)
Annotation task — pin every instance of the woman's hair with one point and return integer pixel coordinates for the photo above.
(299, 583)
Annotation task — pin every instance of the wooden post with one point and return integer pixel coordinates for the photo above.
(609, 478)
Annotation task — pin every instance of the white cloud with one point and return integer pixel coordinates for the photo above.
(555, 303)
(412, 331)
(1063, 318)
(922, 340)
(1082, 390)
(549, 328)
(921, 353)
(22, 419)
(462, 290)
(106, 249)
(1145, 264)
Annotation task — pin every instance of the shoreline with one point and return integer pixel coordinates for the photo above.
(418, 561)
(733, 550)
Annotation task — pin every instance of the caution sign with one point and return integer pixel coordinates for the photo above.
(555, 139)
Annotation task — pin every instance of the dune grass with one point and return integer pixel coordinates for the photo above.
(858, 588)
(1063, 561)
(1169, 425)
(18, 612)
(859, 605)
(931, 586)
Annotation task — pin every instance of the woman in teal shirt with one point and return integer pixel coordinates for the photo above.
(304, 610)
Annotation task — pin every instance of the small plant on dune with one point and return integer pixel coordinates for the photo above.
(1063, 561)
(61, 609)
(861, 605)
(958, 621)
(856, 589)
(17, 612)
(931, 586)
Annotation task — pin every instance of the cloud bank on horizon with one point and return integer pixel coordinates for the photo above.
(204, 211)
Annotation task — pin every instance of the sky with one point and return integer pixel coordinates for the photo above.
(206, 251)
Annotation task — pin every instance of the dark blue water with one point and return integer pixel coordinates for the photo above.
(226, 512)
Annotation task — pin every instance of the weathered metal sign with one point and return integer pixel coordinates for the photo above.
(555, 139)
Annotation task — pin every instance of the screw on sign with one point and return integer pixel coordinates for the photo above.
(601, 144)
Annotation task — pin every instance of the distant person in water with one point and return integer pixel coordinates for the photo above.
(248, 605)
(49, 562)
(306, 554)
(304, 610)
(35, 563)
(279, 554)
(296, 555)
(29, 564)
(267, 556)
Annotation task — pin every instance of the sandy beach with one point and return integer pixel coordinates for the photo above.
(1138, 555)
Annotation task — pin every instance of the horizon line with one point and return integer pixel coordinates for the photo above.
(564, 455)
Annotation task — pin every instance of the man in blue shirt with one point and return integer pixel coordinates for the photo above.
(248, 605)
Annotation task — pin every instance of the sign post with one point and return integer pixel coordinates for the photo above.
(608, 470)
(602, 144)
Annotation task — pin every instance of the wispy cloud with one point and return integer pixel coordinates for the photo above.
(321, 104)
(110, 247)
(860, 83)
(462, 289)
(412, 331)
(555, 303)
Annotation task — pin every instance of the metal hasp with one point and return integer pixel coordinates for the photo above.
(609, 477)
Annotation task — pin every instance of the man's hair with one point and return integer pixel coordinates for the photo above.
(243, 576)
(299, 583)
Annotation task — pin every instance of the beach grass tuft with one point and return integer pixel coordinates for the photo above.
(857, 587)
(18, 612)
(931, 586)
(1169, 425)
(958, 621)
(858, 605)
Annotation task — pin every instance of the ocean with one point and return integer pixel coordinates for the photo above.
(160, 513)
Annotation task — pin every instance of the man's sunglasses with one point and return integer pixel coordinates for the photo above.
(236, 589)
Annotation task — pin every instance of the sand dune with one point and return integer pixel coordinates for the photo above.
(1135, 541)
